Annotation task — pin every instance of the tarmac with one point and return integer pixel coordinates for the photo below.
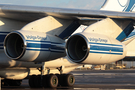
(93, 80)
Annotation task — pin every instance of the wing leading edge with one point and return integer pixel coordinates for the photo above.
(29, 13)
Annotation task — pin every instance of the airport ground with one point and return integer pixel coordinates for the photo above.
(94, 80)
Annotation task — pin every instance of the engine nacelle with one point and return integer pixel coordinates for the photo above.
(90, 48)
(33, 46)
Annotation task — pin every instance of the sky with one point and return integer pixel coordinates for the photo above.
(78, 4)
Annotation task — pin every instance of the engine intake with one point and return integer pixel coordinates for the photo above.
(33, 46)
(14, 45)
(89, 48)
(77, 48)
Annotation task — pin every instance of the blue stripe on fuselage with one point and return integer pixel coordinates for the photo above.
(2, 37)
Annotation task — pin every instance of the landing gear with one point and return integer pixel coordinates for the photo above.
(8, 82)
(38, 81)
(51, 81)
(33, 83)
(47, 81)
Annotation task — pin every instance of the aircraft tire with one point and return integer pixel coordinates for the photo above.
(52, 81)
(61, 79)
(44, 81)
(31, 81)
(16, 82)
(58, 76)
(37, 81)
(8, 82)
(69, 80)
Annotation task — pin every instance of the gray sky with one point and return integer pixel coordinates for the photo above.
(80, 4)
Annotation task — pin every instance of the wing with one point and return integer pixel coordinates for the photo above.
(29, 13)
(75, 17)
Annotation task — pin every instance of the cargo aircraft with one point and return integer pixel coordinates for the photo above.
(37, 42)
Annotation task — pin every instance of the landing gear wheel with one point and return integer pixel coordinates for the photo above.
(53, 81)
(50, 81)
(38, 82)
(69, 80)
(8, 82)
(58, 76)
(16, 82)
(62, 79)
(32, 81)
(44, 81)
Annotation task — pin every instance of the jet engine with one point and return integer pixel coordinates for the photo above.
(33, 46)
(90, 48)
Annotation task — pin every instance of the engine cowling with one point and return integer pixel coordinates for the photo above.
(33, 46)
(90, 48)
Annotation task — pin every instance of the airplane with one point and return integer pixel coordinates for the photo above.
(37, 42)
